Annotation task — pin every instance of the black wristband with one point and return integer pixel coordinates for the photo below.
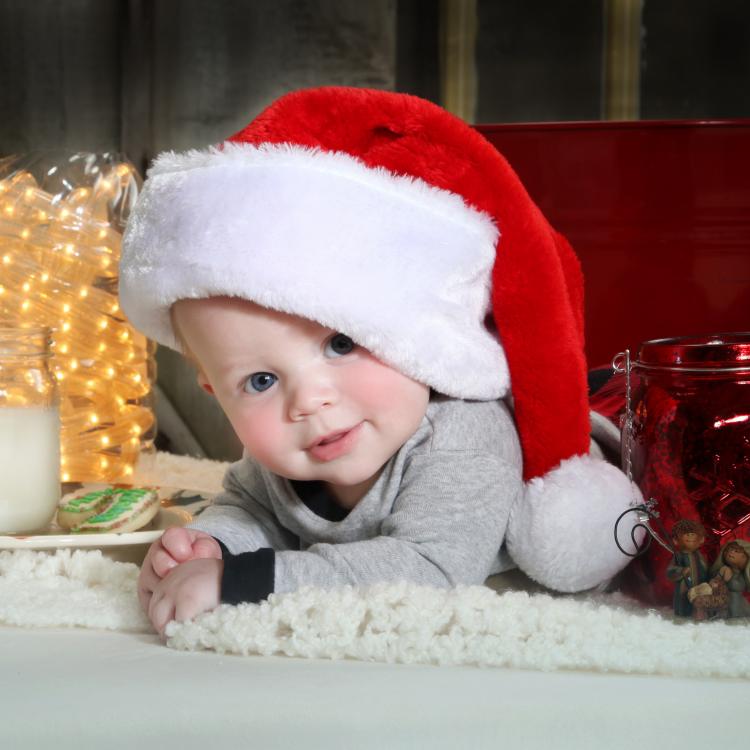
(247, 577)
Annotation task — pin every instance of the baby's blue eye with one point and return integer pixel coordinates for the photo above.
(339, 345)
(259, 382)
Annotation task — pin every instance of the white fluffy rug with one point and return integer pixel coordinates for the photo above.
(392, 623)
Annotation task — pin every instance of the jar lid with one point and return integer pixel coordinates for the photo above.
(717, 350)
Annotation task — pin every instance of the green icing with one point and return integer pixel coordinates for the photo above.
(75, 504)
(125, 500)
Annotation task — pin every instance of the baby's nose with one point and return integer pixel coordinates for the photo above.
(308, 398)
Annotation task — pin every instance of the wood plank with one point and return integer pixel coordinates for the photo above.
(59, 75)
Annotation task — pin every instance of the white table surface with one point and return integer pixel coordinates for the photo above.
(85, 688)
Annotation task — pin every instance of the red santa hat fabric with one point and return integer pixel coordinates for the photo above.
(385, 217)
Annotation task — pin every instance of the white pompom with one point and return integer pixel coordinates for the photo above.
(561, 530)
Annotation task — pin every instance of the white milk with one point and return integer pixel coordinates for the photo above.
(29, 468)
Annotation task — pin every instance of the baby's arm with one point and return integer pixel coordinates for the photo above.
(445, 529)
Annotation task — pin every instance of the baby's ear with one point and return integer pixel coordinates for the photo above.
(203, 382)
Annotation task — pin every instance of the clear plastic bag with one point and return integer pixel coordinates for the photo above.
(61, 221)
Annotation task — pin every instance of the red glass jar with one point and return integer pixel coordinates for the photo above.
(690, 445)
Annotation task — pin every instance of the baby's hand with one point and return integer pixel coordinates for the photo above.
(176, 545)
(179, 545)
(189, 589)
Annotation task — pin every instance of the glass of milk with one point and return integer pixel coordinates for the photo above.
(29, 431)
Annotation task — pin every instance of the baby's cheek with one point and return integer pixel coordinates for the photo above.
(374, 384)
(260, 435)
(386, 391)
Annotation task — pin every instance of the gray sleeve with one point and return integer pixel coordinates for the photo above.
(238, 516)
(445, 529)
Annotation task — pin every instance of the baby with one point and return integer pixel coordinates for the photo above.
(395, 334)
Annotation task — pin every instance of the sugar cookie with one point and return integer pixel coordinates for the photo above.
(129, 510)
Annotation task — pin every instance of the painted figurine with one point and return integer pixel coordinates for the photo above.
(688, 567)
(733, 566)
(710, 600)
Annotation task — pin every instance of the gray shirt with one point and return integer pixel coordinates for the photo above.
(436, 514)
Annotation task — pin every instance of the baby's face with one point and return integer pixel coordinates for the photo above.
(304, 400)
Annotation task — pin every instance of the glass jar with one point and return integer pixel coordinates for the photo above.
(690, 446)
(61, 221)
(29, 431)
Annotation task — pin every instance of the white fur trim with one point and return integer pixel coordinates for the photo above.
(561, 531)
(325, 237)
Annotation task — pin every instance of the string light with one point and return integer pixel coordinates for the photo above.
(59, 258)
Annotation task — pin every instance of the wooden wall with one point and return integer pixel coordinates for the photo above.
(142, 76)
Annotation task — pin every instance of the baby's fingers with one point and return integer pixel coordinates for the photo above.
(160, 611)
(162, 562)
(188, 607)
(206, 546)
(178, 542)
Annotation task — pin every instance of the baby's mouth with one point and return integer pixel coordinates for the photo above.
(334, 444)
(332, 438)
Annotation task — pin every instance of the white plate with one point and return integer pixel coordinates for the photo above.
(170, 514)
(55, 537)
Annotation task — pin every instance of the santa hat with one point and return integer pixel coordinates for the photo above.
(383, 216)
